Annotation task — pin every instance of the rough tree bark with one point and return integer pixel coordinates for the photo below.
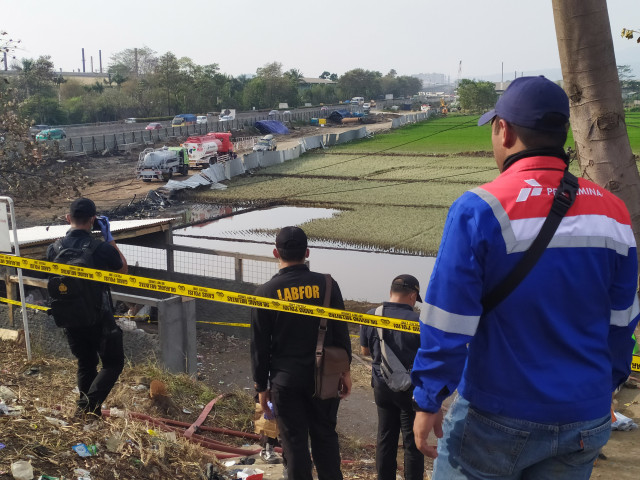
(590, 77)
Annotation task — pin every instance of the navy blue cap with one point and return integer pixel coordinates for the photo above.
(528, 101)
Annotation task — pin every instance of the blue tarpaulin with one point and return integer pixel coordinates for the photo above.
(271, 126)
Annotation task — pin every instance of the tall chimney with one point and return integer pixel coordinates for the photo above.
(135, 54)
(91, 63)
(83, 70)
(100, 57)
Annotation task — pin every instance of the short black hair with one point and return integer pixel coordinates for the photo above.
(540, 138)
(402, 289)
(292, 255)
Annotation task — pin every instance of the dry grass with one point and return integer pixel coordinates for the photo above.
(44, 428)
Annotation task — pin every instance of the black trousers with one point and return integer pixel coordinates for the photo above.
(300, 417)
(395, 415)
(90, 345)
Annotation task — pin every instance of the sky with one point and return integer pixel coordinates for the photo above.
(481, 38)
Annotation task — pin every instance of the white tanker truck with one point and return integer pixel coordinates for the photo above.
(162, 163)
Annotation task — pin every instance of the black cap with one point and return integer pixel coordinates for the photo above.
(82, 208)
(408, 281)
(291, 238)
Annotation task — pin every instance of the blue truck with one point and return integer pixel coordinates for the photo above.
(183, 119)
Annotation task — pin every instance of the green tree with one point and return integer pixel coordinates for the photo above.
(476, 96)
(126, 61)
(360, 82)
(35, 77)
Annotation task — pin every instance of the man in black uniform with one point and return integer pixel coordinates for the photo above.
(283, 359)
(102, 341)
(395, 410)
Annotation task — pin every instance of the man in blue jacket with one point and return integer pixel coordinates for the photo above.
(536, 373)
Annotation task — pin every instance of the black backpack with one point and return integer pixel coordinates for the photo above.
(76, 303)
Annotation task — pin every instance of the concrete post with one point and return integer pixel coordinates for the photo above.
(177, 332)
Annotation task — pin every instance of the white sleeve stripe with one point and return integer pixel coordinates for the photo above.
(622, 318)
(449, 322)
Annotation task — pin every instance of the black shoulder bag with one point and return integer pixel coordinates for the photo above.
(563, 199)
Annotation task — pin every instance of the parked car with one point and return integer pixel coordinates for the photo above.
(35, 129)
(51, 134)
(153, 126)
(130, 120)
(201, 119)
(268, 142)
(366, 105)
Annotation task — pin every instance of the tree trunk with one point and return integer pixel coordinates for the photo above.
(590, 77)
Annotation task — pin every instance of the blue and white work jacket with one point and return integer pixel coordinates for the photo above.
(553, 350)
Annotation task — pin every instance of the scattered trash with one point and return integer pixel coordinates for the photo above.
(211, 472)
(7, 394)
(32, 371)
(2, 445)
(623, 423)
(184, 410)
(42, 451)
(116, 412)
(4, 410)
(56, 422)
(139, 388)
(85, 451)
(246, 461)
(251, 474)
(113, 444)
(22, 470)
(82, 473)
(152, 432)
(48, 477)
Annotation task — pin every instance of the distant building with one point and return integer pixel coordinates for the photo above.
(87, 78)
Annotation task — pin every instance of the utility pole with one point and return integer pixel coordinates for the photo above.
(459, 73)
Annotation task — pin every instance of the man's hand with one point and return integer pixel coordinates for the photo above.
(263, 398)
(105, 228)
(345, 385)
(423, 424)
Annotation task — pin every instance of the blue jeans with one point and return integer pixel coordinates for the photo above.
(481, 445)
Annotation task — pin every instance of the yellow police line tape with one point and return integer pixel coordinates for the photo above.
(213, 294)
(206, 293)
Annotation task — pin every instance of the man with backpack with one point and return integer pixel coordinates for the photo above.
(83, 307)
(393, 353)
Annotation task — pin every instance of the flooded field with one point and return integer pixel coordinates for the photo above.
(364, 273)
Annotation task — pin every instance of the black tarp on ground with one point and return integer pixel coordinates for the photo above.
(271, 126)
(337, 115)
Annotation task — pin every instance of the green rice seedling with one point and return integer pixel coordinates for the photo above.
(406, 229)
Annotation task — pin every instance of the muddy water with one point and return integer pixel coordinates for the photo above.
(363, 273)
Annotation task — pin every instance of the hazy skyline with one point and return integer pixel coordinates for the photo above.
(410, 36)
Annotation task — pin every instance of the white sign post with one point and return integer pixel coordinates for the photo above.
(5, 241)
(16, 246)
